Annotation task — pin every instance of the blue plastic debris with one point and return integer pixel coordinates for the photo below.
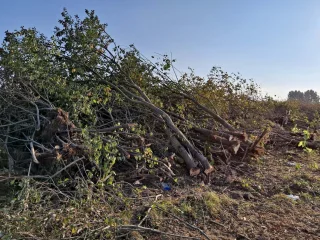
(165, 186)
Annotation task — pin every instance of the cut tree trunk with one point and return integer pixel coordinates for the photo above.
(232, 145)
(181, 151)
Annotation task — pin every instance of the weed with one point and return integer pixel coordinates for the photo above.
(298, 166)
(212, 202)
(313, 166)
(187, 209)
(246, 183)
(215, 202)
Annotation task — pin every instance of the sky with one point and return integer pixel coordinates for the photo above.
(274, 42)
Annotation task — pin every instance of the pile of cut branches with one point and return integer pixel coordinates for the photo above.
(79, 98)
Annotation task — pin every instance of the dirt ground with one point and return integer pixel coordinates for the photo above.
(243, 200)
(251, 200)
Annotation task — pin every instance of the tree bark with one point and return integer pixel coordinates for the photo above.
(191, 165)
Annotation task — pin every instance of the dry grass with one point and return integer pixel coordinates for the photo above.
(254, 205)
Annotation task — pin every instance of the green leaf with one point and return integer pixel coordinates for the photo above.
(74, 230)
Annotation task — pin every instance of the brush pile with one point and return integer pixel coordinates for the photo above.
(79, 104)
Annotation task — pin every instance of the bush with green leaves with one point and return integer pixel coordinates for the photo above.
(106, 90)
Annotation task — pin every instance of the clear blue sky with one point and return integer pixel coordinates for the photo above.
(275, 42)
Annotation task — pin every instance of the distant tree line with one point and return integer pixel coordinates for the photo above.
(309, 96)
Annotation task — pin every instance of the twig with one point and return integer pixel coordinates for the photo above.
(246, 152)
(6, 178)
(260, 138)
(10, 159)
(128, 125)
(256, 142)
(219, 224)
(30, 235)
(38, 117)
(29, 170)
(139, 228)
(37, 112)
(243, 236)
(149, 209)
(39, 145)
(33, 153)
(186, 223)
(13, 123)
(105, 130)
(67, 166)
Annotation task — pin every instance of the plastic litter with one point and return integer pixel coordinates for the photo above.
(293, 164)
(293, 197)
(137, 183)
(165, 186)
